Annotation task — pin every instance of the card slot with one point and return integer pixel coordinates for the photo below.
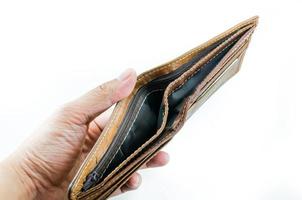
(179, 91)
(127, 170)
(142, 128)
(182, 92)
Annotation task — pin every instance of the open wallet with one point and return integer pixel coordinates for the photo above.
(161, 102)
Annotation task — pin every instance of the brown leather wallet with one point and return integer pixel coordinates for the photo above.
(158, 107)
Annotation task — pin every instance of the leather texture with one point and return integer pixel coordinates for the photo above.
(162, 100)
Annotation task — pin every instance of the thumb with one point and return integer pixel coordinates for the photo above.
(96, 101)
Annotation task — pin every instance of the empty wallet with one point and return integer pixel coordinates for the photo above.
(162, 100)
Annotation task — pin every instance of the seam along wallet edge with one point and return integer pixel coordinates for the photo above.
(162, 100)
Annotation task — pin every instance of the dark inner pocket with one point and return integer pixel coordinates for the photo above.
(145, 114)
(177, 98)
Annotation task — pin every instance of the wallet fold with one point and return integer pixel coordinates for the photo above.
(162, 100)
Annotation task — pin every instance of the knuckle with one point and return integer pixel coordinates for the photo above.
(107, 91)
(104, 89)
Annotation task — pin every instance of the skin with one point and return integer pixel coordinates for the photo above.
(43, 166)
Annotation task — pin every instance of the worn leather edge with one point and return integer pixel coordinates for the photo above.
(109, 132)
(102, 186)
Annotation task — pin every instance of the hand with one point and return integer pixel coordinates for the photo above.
(44, 165)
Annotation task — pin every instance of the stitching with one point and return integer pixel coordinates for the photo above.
(222, 44)
(202, 67)
(140, 149)
(228, 32)
(219, 37)
(157, 90)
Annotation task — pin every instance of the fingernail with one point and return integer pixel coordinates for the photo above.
(125, 75)
(135, 181)
(167, 158)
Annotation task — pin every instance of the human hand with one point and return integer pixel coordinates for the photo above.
(44, 165)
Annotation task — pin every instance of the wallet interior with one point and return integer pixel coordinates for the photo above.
(144, 115)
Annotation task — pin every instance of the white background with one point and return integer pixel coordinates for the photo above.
(244, 143)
